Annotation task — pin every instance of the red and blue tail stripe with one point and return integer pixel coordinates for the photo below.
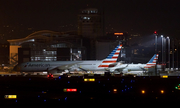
(111, 58)
(152, 61)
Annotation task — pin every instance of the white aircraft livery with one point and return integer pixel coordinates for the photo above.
(61, 66)
(124, 68)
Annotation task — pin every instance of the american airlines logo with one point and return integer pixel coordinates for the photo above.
(37, 65)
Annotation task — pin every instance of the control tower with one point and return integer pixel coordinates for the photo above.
(89, 23)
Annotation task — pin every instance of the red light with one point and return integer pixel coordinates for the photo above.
(71, 90)
(48, 75)
(155, 32)
(51, 75)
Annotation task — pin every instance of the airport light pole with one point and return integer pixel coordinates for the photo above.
(177, 54)
(155, 42)
(162, 53)
(168, 52)
(173, 54)
(155, 50)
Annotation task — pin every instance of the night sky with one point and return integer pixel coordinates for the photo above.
(138, 16)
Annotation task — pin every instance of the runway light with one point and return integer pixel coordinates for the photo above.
(65, 98)
(89, 79)
(162, 91)
(115, 90)
(142, 91)
(43, 92)
(70, 90)
(10, 96)
(164, 76)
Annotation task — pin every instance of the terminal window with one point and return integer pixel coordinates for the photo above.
(25, 52)
(25, 59)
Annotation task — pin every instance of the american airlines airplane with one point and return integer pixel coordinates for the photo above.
(62, 66)
(125, 68)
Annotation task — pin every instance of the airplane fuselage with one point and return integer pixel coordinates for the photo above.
(63, 65)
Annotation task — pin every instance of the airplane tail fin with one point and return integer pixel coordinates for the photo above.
(152, 61)
(111, 58)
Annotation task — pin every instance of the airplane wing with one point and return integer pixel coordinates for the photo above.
(120, 68)
(61, 67)
(143, 68)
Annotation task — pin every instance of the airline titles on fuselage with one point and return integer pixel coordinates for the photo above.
(37, 65)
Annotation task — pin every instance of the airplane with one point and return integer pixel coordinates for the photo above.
(125, 68)
(53, 67)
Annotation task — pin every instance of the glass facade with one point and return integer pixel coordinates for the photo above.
(44, 46)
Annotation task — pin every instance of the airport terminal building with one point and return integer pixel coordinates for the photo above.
(46, 45)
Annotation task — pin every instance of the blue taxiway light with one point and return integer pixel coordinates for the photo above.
(59, 77)
(58, 99)
(128, 88)
(103, 84)
(16, 100)
(122, 90)
(125, 85)
(109, 91)
(108, 78)
(44, 100)
(68, 82)
(29, 78)
(125, 89)
(99, 82)
(79, 91)
(131, 86)
(65, 98)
